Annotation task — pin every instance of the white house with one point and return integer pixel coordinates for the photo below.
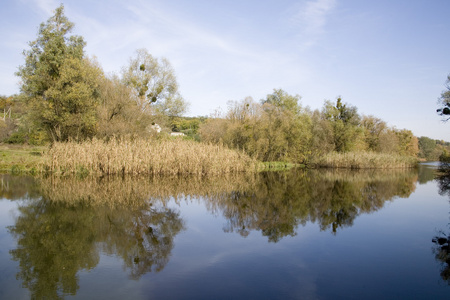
(176, 134)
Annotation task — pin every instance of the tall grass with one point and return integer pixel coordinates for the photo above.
(139, 156)
(365, 160)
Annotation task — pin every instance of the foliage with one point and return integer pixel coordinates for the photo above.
(70, 109)
(430, 149)
(273, 130)
(344, 121)
(373, 130)
(279, 129)
(118, 114)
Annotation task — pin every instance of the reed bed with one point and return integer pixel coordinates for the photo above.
(366, 160)
(152, 157)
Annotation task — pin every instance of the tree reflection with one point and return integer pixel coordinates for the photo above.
(68, 222)
(282, 201)
(442, 254)
(56, 239)
(53, 244)
(442, 240)
(18, 187)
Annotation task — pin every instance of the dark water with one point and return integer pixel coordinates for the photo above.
(291, 235)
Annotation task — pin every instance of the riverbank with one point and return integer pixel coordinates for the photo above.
(21, 158)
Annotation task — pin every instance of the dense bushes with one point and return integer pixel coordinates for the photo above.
(278, 128)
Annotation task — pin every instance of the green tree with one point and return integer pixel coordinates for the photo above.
(407, 143)
(60, 85)
(427, 148)
(345, 121)
(322, 137)
(373, 129)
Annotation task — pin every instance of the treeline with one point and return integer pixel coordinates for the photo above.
(279, 128)
(432, 150)
(66, 96)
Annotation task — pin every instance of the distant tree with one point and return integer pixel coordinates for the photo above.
(275, 129)
(444, 101)
(373, 129)
(427, 148)
(322, 136)
(408, 144)
(282, 99)
(344, 120)
(60, 85)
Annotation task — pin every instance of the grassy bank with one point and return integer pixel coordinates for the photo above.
(154, 157)
(21, 158)
(365, 160)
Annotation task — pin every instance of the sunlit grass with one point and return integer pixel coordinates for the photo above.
(139, 156)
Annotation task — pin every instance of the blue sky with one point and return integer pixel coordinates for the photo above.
(388, 58)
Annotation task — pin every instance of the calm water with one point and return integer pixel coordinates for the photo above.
(294, 235)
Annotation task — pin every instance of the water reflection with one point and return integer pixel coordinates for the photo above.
(333, 199)
(63, 232)
(442, 254)
(64, 224)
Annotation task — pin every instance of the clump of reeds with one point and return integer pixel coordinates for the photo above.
(140, 156)
(365, 160)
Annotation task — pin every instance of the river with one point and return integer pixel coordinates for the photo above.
(314, 234)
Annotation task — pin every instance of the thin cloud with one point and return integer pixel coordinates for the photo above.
(311, 18)
(46, 6)
(187, 31)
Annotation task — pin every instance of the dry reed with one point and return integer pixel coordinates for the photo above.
(365, 160)
(153, 157)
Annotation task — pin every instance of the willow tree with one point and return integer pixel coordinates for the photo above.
(58, 82)
(154, 85)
